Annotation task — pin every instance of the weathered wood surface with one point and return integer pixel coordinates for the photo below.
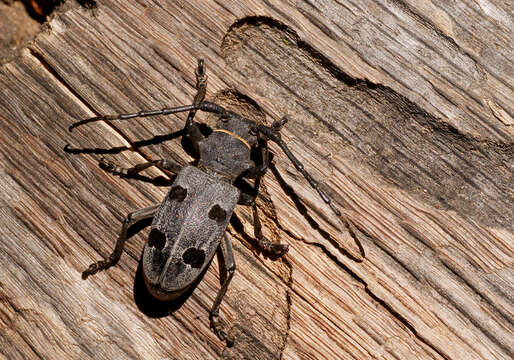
(403, 111)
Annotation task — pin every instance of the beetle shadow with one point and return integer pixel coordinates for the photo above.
(302, 209)
(185, 142)
(133, 145)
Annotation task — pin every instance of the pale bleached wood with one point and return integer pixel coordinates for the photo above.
(419, 163)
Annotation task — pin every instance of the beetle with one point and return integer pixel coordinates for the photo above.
(189, 226)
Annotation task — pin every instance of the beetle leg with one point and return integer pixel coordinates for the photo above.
(118, 170)
(257, 172)
(276, 249)
(229, 266)
(131, 218)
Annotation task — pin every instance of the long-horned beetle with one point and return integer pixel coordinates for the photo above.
(189, 225)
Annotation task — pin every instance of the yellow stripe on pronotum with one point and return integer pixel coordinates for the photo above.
(236, 136)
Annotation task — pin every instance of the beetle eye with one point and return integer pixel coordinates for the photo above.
(156, 239)
(253, 130)
(217, 213)
(194, 257)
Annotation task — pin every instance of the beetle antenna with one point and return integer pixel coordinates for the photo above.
(143, 113)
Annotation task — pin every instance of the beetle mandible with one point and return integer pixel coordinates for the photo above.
(188, 227)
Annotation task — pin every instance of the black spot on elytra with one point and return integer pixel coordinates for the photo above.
(194, 257)
(178, 193)
(217, 213)
(156, 239)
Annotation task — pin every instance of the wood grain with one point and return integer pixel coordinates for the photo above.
(402, 110)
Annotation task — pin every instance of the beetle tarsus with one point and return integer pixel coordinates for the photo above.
(276, 249)
(216, 326)
(99, 266)
(218, 329)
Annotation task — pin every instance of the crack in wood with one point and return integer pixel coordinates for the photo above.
(418, 152)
